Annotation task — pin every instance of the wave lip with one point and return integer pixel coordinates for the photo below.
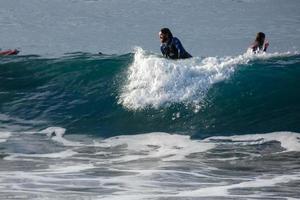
(154, 81)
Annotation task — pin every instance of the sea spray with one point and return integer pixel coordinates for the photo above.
(153, 81)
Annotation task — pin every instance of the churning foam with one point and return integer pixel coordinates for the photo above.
(114, 168)
(158, 145)
(154, 82)
(288, 140)
(256, 183)
(4, 136)
(56, 134)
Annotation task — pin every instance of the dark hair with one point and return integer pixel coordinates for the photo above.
(260, 38)
(166, 31)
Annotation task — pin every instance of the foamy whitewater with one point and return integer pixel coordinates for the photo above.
(153, 81)
(151, 166)
(128, 124)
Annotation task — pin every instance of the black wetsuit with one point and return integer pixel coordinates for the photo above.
(256, 47)
(174, 49)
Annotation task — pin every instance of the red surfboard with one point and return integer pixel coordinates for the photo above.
(9, 52)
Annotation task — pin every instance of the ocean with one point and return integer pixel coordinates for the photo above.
(130, 124)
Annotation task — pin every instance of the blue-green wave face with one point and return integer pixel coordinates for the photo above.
(111, 95)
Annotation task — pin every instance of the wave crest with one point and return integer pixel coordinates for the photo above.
(153, 81)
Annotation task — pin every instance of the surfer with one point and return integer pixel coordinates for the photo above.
(171, 47)
(9, 52)
(260, 44)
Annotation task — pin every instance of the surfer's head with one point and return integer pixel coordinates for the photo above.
(164, 35)
(260, 38)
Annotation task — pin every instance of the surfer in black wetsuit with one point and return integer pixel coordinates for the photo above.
(260, 44)
(171, 47)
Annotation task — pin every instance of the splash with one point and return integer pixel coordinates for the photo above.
(153, 81)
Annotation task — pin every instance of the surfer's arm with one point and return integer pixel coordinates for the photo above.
(266, 45)
(182, 53)
(254, 46)
(179, 47)
(163, 50)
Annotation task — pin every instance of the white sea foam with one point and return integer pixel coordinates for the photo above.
(62, 155)
(138, 166)
(4, 136)
(264, 55)
(54, 131)
(256, 183)
(57, 133)
(154, 81)
(76, 167)
(288, 140)
(157, 145)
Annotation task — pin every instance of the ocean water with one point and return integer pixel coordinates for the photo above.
(129, 124)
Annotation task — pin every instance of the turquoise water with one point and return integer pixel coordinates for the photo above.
(129, 124)
(107, 95)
